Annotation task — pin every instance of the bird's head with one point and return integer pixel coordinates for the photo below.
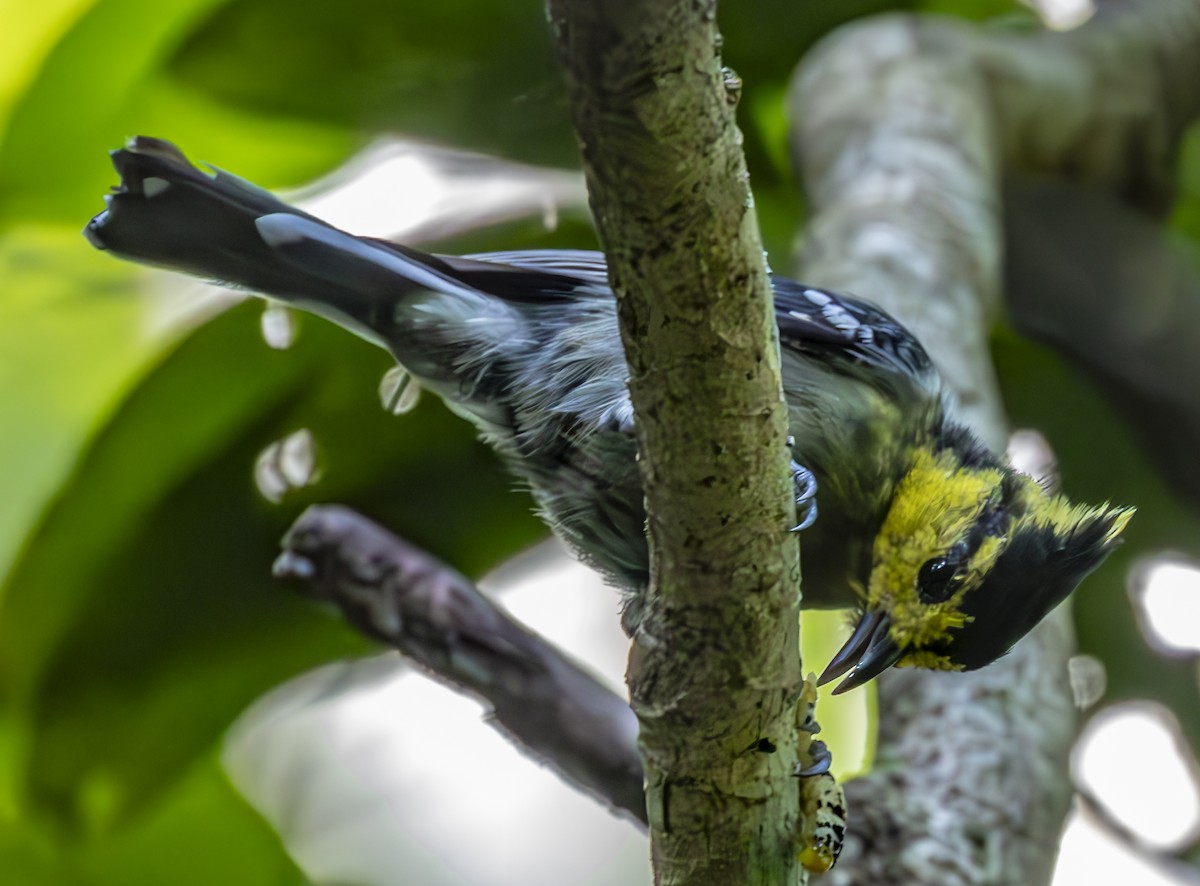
(969, 558)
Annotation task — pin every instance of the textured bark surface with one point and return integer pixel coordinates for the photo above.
(714, 671)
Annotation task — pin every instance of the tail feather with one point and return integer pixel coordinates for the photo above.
(429, 311)
(168, 213)
(377, 278)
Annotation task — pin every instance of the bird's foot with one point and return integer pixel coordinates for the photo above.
(805, 486)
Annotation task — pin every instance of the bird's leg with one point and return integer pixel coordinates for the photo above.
(823, 804)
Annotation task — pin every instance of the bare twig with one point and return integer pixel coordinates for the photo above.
(546, 703)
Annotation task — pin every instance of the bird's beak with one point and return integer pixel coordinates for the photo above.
(868, 653)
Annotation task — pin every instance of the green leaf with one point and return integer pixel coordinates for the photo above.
(201, 833)
(469, 73)
(30, 32)
(102, 83)
(848, 721)
(141, 619)
(73, 331)
(1186, 214)
(1004, 11)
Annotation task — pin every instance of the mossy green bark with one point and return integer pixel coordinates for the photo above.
(714, 672)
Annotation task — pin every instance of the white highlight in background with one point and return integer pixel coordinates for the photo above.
(1166, 597)
(1134, 763)
(393, 189)
(386, 189)
(1089, 855)
(1062, 15)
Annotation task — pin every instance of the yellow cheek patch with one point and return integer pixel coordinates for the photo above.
(934, 506)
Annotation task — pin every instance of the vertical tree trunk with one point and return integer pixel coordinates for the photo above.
(714, 672)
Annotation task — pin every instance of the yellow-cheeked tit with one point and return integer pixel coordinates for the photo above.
(951, 554)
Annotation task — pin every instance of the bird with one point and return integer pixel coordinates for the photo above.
(947, 554)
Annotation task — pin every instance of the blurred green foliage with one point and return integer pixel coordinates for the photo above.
(104, 80)
(138, 618)
(1187, 208)
(1099, 460)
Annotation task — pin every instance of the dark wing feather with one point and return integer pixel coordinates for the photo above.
(840, 329)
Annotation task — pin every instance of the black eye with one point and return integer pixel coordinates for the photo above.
(935, 580)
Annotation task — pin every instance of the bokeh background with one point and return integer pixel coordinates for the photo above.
(168, 714)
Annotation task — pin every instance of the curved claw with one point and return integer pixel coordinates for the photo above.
(805, 485)
(822, 759)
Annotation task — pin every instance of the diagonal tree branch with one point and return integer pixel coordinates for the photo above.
(898, 153)
(544, 702)
(902, 128)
